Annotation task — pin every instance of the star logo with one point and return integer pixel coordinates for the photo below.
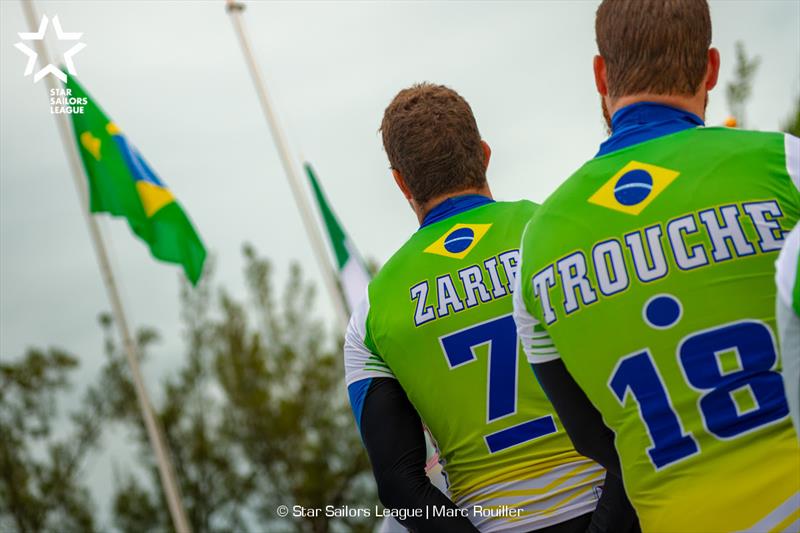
(33, 56)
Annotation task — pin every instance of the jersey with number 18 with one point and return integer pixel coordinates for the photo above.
(651, 269)
(438, 319)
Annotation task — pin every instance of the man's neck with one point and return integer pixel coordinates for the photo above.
(422, 210)
(695, 104)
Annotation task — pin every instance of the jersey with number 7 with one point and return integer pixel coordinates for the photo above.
(438, 319)
(651, 269)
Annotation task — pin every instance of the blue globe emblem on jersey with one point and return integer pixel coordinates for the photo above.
(459, 240)
(633, 187)
(662, 311)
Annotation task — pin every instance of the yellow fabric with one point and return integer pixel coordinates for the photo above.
(91, 143)
(153, 197)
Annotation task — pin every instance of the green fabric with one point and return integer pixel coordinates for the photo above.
(796, 288)
(174, 240)
(114, 169)
(453, 401)
(716, 168)
(335, 231)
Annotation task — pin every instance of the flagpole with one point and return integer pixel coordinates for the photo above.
(235, 9)
(157, 442)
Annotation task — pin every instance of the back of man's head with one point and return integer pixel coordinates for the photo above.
(654, 46)
(432, 141)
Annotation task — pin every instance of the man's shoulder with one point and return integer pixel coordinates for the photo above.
(520, 206)
(446, 246)
(670, 154)
(719, 141)
(560, 209)
(407, 258)
(657, 180)
(708, 137)
(709, 144)
(725, 133)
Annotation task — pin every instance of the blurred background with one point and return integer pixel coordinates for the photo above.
(244, 371)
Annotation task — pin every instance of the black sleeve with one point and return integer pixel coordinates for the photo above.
(581, 420)
(614, 512)
(591, 438)
(392, 433)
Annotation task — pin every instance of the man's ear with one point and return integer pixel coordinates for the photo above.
(712, 71)
(401, 183)
(487, 154)
(600, 78)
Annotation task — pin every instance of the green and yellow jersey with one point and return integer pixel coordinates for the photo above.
(438, 318)
(649, 272)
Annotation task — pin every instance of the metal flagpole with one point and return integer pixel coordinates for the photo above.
(289, 166)
(154, 434)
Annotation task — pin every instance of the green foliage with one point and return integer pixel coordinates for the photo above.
(256, 418)
(40, 477)
(739, 90)
(792, 124)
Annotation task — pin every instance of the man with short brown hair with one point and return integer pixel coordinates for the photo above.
(434, 341)
(430, 133)
(645, 299)
(646, 52)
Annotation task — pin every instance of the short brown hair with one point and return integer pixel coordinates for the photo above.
(654, 46)
(432, 140)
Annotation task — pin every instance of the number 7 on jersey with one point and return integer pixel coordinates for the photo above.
(500, 334)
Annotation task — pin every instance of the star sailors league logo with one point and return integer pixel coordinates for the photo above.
(61, 35)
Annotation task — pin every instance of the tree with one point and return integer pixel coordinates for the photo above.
(214, 490)
(256, 418)
(40, 478)
(739, 90)
(792, 124)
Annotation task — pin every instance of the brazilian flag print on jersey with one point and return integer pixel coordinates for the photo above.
(633, 188)
(438, 319)
(458, 241)
(651, 272)
(122, 184)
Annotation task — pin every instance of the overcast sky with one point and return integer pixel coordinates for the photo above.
(172, 76)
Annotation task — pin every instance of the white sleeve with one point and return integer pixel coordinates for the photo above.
(536, 342)
(789, 331)
(791, 145)
(788, 320)
(359, 362)
(786, 266)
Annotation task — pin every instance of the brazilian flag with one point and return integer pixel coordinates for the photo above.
(123, 184)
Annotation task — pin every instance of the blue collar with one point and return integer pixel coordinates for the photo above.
(453, 206)
(643, 121)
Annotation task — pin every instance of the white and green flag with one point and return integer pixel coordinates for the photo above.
(353, 280)
(353, 274)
